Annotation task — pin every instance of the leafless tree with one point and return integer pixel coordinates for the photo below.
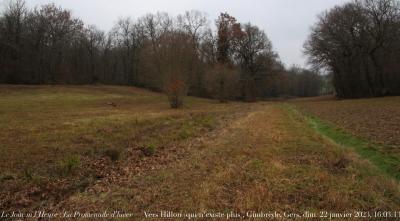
(358, 43)
(48, 45)
(253, 52)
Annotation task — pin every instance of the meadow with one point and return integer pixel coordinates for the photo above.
(96, 148)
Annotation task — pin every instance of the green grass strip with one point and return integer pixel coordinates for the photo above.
(387, 163)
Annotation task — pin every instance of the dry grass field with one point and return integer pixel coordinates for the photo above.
(96, 148)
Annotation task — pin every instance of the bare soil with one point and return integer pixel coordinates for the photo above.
(375, 119)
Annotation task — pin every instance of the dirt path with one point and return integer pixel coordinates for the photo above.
(268, 160)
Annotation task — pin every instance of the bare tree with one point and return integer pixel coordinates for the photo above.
(225, 26)
(195, 24)
(94, 41)
(11, 41)
(222, 82)
(48, 44)
(355, 42)
(253, 52)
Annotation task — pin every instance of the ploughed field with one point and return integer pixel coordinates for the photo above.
(96, 148)
(375, 119)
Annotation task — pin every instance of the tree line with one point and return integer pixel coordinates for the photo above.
(180, 55)
(359, 43)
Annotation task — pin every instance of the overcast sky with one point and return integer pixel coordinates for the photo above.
(286, 22)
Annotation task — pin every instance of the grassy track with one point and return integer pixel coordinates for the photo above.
(268, 160)
(206, 157)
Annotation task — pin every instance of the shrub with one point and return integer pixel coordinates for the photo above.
(175, 90)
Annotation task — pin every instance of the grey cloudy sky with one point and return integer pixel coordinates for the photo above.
(287, 22)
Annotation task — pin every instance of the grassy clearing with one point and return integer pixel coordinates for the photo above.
(267, 160)
(59, 140)
(386, 162)
(80, 153)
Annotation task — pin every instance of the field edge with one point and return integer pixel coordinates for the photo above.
(386, 163)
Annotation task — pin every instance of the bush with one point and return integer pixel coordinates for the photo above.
(175, 90)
